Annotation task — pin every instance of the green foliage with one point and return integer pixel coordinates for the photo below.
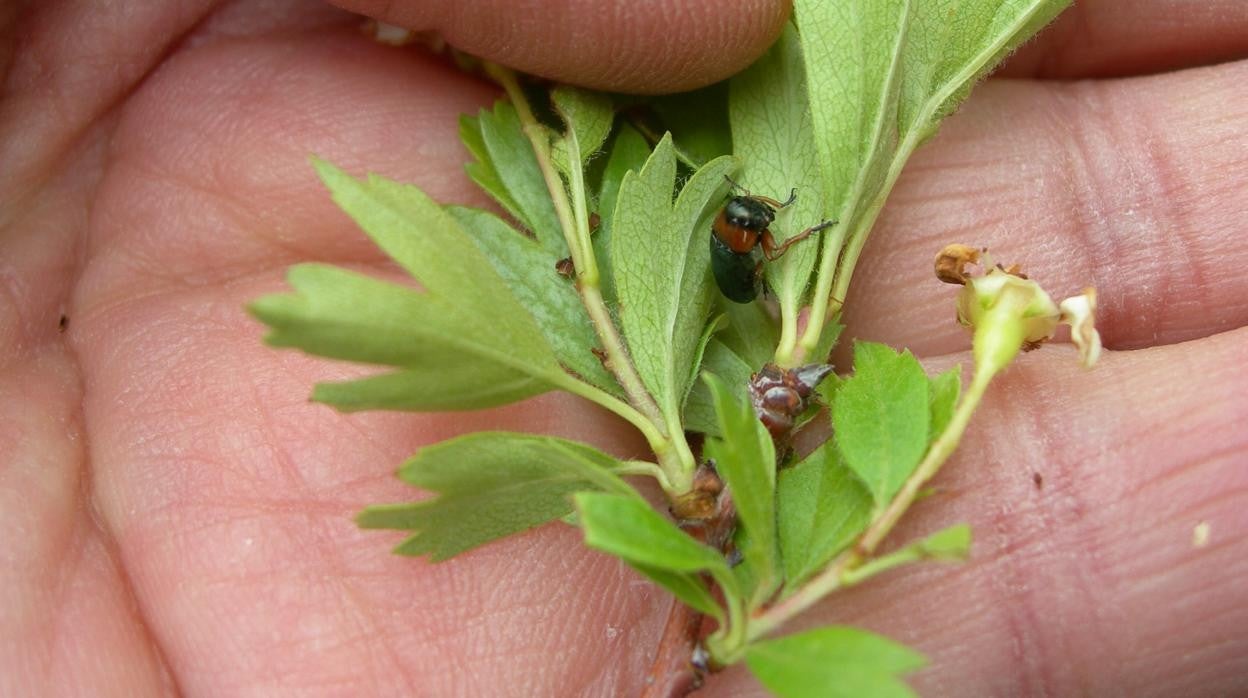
(881, 76)
(662, 265)
(773, 135)
(823, 508)
(628, 152)
(698, 122)
(491, 485)
(952, 544)
(627, 527)
(529, 270)
(881, 418)
(746, 459)
(833, 662)
(834, 109)
(508, 170)
(463, 342)
(588, 116)
(945, 389)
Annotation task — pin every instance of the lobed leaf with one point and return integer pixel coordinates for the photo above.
(833, 662)
(529, 270)
(881, 418)
(491, 485)
(465, 324)
(507, 169)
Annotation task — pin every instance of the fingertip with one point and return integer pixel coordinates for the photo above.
(664, 46)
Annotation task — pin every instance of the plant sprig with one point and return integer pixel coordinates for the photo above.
(833, 110)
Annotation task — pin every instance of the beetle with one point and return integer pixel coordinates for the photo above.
(742, 227)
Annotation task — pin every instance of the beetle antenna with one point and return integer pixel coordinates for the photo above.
(791, 199)
(737, 186)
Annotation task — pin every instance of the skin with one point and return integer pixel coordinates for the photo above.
(178, 517)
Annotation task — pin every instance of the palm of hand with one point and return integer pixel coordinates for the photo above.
(180, 516)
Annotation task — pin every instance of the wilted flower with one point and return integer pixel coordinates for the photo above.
(1009, 312)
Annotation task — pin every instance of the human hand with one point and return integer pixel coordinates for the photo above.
(179, 516)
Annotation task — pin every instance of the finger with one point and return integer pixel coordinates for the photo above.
(1090, 582)
(230, 497)
(652, 47)
(1130, 186)
(1104, 38)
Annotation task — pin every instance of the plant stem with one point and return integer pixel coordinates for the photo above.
(834, 575)
(670, 447)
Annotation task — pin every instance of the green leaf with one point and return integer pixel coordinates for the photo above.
(881, 75)
(944, 391)
(464, 333)
(529, 271)
(629, 152)
(833, 662)
(628, 528)
(881, 418)
(587, 115)
(507, 170)
(698, 121)
(700, 405)
(952, 544)
(491, 485)
(772, 133)
(689, 588)
(823, 507)
(661, 257)
(746, 459)
(752, 333)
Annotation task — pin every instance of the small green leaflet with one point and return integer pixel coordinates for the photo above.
(742, 344)
(881, 418)
(772, 133)
(529, 271)
(661, 260)
(698, 121)
(588, 116)
(746, 459)
(945, 390)
(833, 662)
(507, 170)
(491, 485)
(464, 342)
(626, 527)
(700, 406)
(628, 151)
(952, 544)
(823, 507)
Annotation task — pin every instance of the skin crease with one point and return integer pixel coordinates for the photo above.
(178, 516)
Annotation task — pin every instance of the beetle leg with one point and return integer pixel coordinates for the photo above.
(772, 251)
